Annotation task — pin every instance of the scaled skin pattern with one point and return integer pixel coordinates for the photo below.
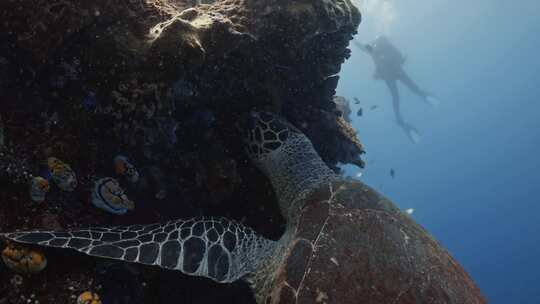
(343, 241)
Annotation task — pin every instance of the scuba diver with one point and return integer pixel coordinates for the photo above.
(389, 67)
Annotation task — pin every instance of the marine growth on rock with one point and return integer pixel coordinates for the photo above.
(123, 167)
(62, 174)
(20, 258)
(167, 82)
(88, 297)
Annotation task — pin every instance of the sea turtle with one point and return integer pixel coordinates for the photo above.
(343, 242)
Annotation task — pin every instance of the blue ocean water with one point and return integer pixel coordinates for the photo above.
(473, 179)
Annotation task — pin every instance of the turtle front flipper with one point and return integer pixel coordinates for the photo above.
(216, 248)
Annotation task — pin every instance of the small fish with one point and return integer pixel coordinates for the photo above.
(392, 173)
(356, 100)
(360, 112)
(373, 107)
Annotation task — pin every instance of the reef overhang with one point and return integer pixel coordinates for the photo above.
(163, 82)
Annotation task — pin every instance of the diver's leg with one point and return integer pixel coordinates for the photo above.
(411, 131)
(392, 86)
(409, 83)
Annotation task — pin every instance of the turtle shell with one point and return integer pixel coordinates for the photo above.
(352, 245)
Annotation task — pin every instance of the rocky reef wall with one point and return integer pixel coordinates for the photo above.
(165, 83)
(171, 76)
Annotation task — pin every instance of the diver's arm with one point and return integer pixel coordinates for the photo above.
(361, 46)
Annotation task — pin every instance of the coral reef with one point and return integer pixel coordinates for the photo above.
(156, 58)
(22, 259)
(109, 196)
(88, 297)
(162, 82)
(344, 107)
(38, 189)
(62, 174)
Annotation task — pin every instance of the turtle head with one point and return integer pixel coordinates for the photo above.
(265, 134)
(284, 154)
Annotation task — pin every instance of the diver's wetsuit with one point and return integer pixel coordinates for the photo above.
(389, 67)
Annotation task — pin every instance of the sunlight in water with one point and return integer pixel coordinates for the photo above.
(381, 12)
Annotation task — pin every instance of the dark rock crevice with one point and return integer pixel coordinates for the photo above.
(86, 80)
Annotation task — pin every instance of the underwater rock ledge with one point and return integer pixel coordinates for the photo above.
(84, 81)
(226, 58)
(164, 82)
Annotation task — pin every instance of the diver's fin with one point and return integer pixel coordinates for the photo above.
(432, 100)
(411, 131)
(413, 134)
